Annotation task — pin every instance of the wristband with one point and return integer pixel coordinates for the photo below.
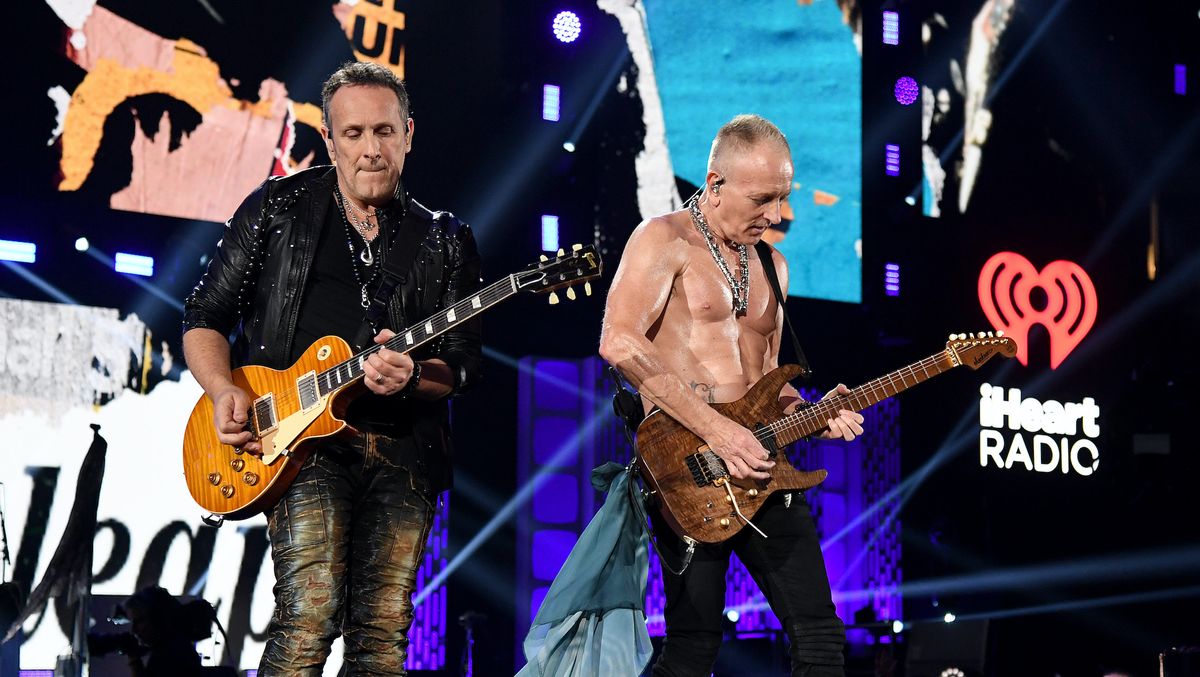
(414, 381)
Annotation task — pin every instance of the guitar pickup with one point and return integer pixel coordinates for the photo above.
(264, 414)
(306, 388)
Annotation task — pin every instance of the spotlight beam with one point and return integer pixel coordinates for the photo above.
(1145, 565)
(37, 281)
(1081, 604)
(561, 455)
(153, 290)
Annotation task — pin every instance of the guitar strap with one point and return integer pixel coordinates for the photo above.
(764, 255)
(409, 235)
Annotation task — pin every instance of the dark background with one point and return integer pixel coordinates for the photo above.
(1087, 133)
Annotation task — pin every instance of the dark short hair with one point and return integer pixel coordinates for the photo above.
(354, 73)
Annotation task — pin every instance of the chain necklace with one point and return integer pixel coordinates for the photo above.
(358, 218)
(741, 290)
(366, 256)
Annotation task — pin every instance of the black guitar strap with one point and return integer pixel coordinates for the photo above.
(764, 255)
(409, 235)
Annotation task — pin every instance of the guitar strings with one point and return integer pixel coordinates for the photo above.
(462, 310)
(812, 415)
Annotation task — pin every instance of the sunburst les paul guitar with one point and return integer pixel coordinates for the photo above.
(294, 407)
(695, 492)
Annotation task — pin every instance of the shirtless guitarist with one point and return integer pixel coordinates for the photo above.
(690, 321)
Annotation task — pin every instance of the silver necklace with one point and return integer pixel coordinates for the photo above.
(741, 290)
(361, 227)
(366, 256)
(358, 218)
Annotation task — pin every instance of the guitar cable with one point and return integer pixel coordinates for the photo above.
(627, 405)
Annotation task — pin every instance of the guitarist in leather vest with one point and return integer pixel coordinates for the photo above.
(298, 261)
(691, 320)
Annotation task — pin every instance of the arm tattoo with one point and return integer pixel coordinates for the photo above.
(704, 390)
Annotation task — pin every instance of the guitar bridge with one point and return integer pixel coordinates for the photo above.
(706, 468)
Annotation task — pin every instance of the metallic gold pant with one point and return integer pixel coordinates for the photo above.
(346, 542)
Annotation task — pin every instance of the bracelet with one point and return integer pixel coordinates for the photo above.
(414, 381)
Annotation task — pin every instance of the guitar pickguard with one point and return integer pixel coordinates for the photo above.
(277, 442)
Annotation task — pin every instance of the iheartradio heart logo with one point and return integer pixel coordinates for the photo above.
(1006, 286)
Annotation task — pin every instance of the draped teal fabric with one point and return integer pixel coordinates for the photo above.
(592, 622)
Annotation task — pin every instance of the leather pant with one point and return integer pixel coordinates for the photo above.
(789, 569)
(346, 541)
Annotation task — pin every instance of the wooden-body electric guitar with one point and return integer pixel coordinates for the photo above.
(295, 407)
(695, 493)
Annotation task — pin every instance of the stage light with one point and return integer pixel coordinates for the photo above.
(21, 252)
(949, 617)
(1181, 79)
(907, 90)
(134, 264)
(897, 626)
(891, 279)
(910, 200)
(567, 26)
(891, 159)
(732, 615)
(952, 672)
(891, 28)
(549, 233)
(82, 244)
(569, 147)
(550, 99)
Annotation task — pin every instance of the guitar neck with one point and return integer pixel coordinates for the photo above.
(419, 334)
(812, 418)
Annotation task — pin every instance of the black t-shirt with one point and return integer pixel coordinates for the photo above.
(332, 304)
(332, 300)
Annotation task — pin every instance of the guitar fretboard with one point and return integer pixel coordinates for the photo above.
(419, 334)
(811, 419)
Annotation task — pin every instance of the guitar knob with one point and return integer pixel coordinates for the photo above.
(250, 478)
(724, 521)
(214, 478)
(237, 464)
(752, 493)
(227, 491)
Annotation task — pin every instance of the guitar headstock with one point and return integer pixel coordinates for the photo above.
(580, 264)
(975, 349)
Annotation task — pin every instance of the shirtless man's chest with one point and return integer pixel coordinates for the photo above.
(715, 352)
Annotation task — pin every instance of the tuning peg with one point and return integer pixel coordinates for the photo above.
(952, 337)
(991, 335)
(554, 298)
(587, 288)
(576, 247)
(571, 293)
(999, 333)
(561, 253)
(972, 334)
(543, 258)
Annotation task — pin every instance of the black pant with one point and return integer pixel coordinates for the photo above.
(790, 571)
(347, 541)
